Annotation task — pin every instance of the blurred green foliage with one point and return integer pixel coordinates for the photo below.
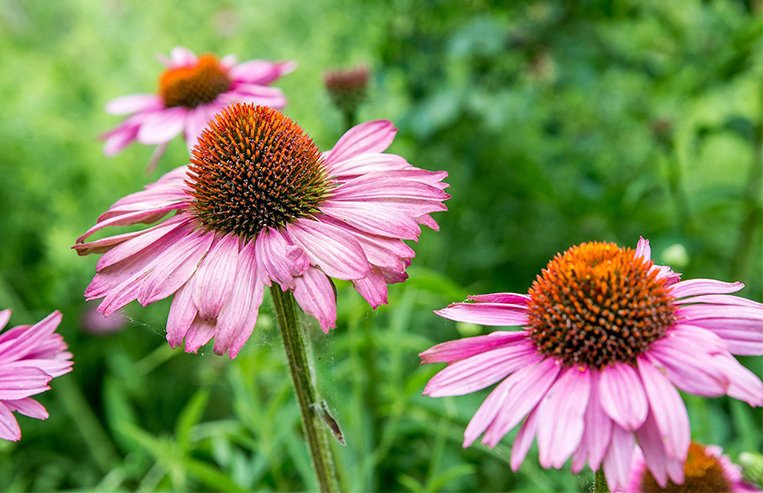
(558, 121)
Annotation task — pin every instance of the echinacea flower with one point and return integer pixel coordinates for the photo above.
(260, 204)
(608, 337)
(30, 357)
(347, 88)
(706, 470)
(191, 91)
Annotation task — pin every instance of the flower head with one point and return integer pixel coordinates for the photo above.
(30, 357)
(191, 90)
(608, 337)
(705, 469)
(260, 204)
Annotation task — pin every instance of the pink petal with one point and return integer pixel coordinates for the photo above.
(720, 299)
(131, 244)
(182, 314)
(668, 409)
(280, 261)
(182, 56)
(195, 121)
(696, 372)
(214, 278)
(239, 315)
(694, 287)
(119, 139)
(560, 415)
(496, 314)
(5, 315)
(643, 249)
(655, 457)
(744, 384)
(133, 104)
(503, 298)
(260, 71)
(448, 352)
(28, 407)
(373, 288)
(524, 389)
(622, 396)
(9, 427)
(162, 126)
(369, 137)
(28, 339)
(524, 440)
(481, 370)
(21, 382)
(377, 219)
(315, 294)
(199, 333)
(331, 248)
(597, 433)
(618, 459)
(367, 163)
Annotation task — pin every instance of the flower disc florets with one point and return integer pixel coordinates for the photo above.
(597, 304)
(702, 472)
(194, 85)
(252, 168)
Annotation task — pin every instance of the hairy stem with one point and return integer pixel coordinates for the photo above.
(600, 482)
(311, 405)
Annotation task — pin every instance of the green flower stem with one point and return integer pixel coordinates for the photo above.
(600, 482)
(310, 404)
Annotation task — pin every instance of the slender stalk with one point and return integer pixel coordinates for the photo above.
(600, 482)
(350, 119)
(310, 404)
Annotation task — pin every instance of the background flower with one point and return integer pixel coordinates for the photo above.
(30, 357)
(608, 337)
(191, 90)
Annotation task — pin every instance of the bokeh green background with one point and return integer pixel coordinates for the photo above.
(558, 122)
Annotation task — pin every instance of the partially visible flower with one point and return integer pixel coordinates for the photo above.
(30, 357)
(706, 470)
(96, 323)
(347, 88)
(260, 204)
(191, 91)
(608, 337)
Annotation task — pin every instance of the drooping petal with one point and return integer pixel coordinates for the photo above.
(524, 440)
(9, 427)
(695, 287)
(214, 278)
(561, 417)
(618, 459)
(28, 407)
(668, 409)
(133, 103)
(622, 396)
(315, 295)
(332, 249)
(162, 126)
(597, 433)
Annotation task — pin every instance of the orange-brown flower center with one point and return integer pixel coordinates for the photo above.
(702, 472)
(253, 167)
(597, 304)
(194, 85)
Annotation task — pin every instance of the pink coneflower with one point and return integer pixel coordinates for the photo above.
(706, 470)
(30, 357)
(258, 204)
(191, 91)
(608, 337)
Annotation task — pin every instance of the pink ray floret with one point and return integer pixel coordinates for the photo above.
(30, 357)
(216, 263)
(594, 393)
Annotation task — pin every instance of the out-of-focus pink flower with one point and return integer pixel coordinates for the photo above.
(96, 323)
(260, 204)
(347, 88)
(608, 338)
(706, 469)
(30, 357)
(191, 90)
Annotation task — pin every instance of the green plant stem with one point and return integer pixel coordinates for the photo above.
(600, 482)
(350, 119)
(310, 404)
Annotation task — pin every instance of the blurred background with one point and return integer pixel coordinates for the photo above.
(558, 122)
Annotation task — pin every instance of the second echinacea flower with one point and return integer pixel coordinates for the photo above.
(191, 91)
(260, 205)
(608, 337)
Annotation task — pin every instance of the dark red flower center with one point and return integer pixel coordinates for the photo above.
(702, 472)
(597, 304)
(194, 85)
(252, 168)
